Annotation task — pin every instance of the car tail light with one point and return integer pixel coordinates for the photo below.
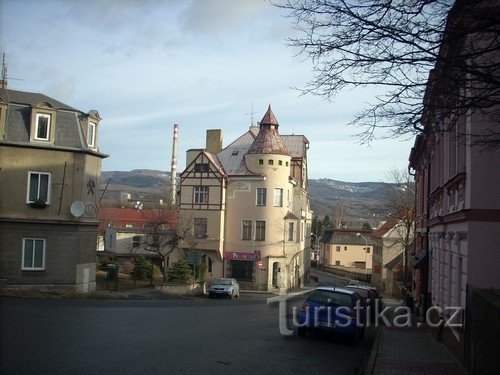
(305, 306)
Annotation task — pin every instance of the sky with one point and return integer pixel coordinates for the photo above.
(146, 65)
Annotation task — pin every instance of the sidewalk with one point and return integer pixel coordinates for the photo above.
(410, 351)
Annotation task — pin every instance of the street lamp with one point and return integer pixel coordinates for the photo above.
(366, 248)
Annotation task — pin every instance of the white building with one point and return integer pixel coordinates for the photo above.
(248, 206)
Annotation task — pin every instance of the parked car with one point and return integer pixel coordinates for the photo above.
(370, 296)
(224, 287)
(353, 282)
(333, 310)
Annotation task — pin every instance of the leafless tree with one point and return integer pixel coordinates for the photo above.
(393, 46)
(339, 216)
(400, 202)
(160, 235)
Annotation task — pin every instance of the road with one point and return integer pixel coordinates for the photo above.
(172, 335)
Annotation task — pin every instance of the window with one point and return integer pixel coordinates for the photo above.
(241, 270)
(261, 196)
(200, 227)
(246, 233)
(278, 197)
(337, 262)
(136, 241)
(286, 163)
(38, 187)
(345, 248)
(33, 254)
(260, 230)
(280, 162)
(270, 162)
(337, 248)
(201, 167)
(290, 231)
(261, 162)
(368, 250)
(42, 130)
(201, 194)
(91, 134)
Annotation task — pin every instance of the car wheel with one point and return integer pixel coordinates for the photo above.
(301, 331)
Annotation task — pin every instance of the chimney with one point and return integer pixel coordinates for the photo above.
(173, 170)
(214, 141)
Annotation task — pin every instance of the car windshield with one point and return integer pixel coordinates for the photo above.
(223, 282)
(328, 296)
(362, 292)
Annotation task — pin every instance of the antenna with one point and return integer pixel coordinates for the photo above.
(4, 72)
(3, 81)
(251, 113)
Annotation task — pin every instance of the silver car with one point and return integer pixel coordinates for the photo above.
(224, 287)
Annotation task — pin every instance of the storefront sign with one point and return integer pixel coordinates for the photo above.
(233, 255)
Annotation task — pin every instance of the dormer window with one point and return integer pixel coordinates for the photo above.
(91, 134)
(43, 123)
(42, 130)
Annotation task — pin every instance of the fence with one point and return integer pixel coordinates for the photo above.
(127, 276)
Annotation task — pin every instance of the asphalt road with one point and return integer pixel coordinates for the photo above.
(169, 336)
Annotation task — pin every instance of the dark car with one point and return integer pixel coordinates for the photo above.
(371, 298)
(333, 310)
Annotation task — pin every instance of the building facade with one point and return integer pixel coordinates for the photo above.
(396, 236)
(50, 167)
(458, 204)
(248, 208)
(126, 233)
(348, 248)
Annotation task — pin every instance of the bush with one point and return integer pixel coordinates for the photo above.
(102, 263)
(142, 267)
(180, 272)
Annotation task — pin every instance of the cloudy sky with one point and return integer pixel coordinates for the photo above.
(145, 65)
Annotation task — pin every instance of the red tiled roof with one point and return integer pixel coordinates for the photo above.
(386, 227)
(121, 217)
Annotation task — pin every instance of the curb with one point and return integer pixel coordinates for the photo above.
(369, 366)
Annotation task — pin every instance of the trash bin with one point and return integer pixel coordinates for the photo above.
(112, 272)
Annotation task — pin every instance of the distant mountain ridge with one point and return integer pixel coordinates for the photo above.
(363, 201)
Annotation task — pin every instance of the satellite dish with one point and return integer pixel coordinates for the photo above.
(77, 208)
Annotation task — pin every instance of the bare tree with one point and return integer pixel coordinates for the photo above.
(394, 46)
(400, 201)
(339, 217)
(161, 237)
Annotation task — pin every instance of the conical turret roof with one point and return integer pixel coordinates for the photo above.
(268, 141)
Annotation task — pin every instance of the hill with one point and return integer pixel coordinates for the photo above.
(362, 201)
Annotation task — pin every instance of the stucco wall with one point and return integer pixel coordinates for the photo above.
(66, 247)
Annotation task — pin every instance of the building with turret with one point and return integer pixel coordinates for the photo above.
(246, 207)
